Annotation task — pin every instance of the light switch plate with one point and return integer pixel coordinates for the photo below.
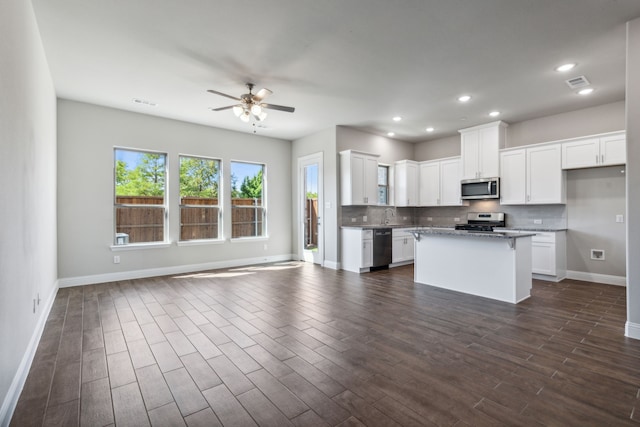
(619, 218)
(364, 218)
(537, 221)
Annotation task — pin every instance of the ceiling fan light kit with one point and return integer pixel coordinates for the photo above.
(251, 105)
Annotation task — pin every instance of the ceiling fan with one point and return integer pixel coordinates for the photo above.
(251, 104)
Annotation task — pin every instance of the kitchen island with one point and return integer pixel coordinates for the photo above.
(494, 265)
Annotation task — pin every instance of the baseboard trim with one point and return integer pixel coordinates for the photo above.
(20, 378)
(332, 265)
(597, 278)
(632, 330)
(164, 271)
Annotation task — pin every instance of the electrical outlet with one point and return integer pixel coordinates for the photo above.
(404, 218)
(266, 247)
(429, 218)
(116, 259)
(619, 218)
(353, 219)
(597, 254)
(364, 218)
(456, 219)
(537, 221)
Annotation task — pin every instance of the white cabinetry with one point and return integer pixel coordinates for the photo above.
(603, 150)
(480, 147)
(406, 183)
(532, 176)
(402, 250)
(440, 183)
(357, 249)
(358, 178)
(549, 256)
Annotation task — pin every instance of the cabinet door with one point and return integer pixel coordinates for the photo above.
(543, 258)
(613, 150)
(367, 254)
(545, 177)
(488, 152)
(513, 177)
(370, 180)
(357, 179)
(406, 183)
(450, 183)
(430, 184)
(581, 154)
(409, 248)
(397, 249)
(470, 154)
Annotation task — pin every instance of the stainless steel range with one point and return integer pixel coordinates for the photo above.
(483, 221)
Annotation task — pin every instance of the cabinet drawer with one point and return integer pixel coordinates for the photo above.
(544, 238)
(367, 234)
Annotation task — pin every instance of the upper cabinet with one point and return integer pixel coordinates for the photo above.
(358, 178)
(406, 183)
(480, 147)
(532, 176)
(440, 183)
(603, 150)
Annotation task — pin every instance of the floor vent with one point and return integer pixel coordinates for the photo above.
(578, 82)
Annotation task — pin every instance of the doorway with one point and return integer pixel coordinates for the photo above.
(310, 232)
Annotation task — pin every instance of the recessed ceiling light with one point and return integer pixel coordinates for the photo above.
(464, 98)
(565, 67)
(585, 91)
(390, 134)
(430, 129)
(397, 118)
(494, 113)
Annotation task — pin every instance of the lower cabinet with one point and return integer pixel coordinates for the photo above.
(549, 256)
(357, 249)
(402, 250)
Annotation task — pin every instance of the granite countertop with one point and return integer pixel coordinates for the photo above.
(531, 229)
(375, 226)
(465, 233)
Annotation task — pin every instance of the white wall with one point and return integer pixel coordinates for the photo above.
(633, 178)
(321, 142)
(87, 135)
(28, 195)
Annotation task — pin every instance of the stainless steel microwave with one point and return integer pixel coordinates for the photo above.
(480, 188)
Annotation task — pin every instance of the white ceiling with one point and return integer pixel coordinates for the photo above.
(338, 62)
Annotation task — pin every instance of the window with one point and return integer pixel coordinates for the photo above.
(247, 200)
(199, 198)
(383, 185)
(140, 196)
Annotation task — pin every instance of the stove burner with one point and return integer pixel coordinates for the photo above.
(474, 227)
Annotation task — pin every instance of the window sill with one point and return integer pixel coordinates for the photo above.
(248, 239)
(200, 242)
(137, 246)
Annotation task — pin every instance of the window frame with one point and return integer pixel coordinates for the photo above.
(165, 242)
(263, 207)
(386, 185)
(219, 206)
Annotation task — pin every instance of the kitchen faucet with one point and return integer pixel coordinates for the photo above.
(385, 219)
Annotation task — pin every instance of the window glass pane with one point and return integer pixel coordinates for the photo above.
(140, 179)
(383, 185)
(247, 210)
(199, 198)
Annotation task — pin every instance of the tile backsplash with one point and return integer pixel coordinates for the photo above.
(550, 216)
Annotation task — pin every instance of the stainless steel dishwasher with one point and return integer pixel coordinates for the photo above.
(382, 240)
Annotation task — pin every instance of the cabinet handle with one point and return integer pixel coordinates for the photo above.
(597, 159)
(602, 158)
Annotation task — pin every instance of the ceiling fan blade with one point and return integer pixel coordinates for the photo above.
(262, 94)
(223, 94)
(228, 107)
(278, 107)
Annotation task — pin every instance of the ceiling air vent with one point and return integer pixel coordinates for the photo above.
(578, 82)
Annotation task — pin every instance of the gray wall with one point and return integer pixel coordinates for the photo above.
(28, 195)
(594, 197)
(390, 150)
(437, 149)
(87, 135)
(633, 178)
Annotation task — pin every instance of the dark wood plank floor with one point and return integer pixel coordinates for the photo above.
(296, 344)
